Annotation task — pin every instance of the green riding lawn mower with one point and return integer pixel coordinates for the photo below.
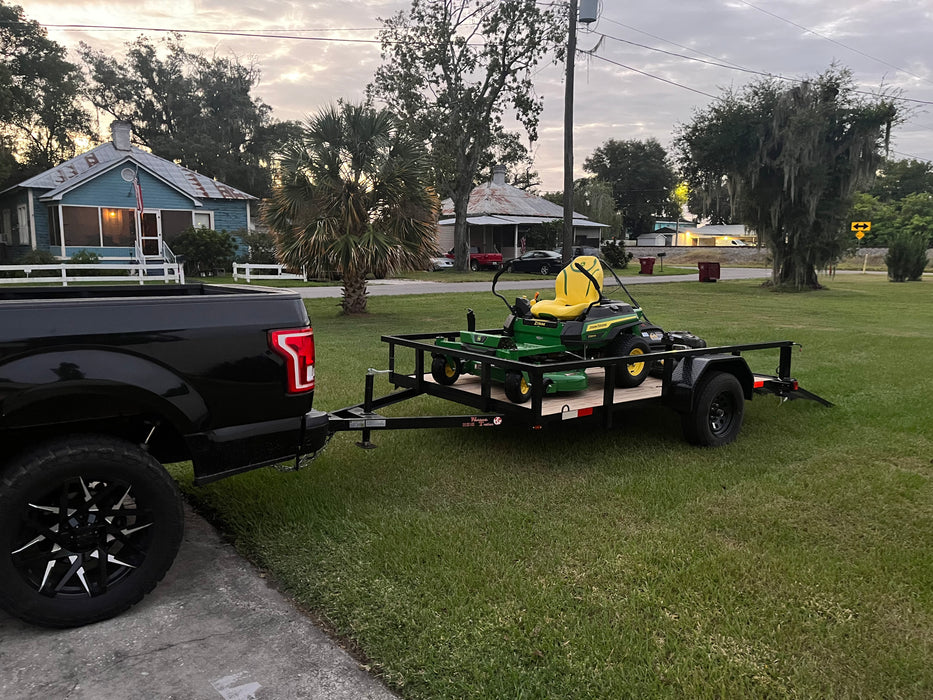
(579, 323)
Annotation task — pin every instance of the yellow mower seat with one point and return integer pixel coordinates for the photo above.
(573, 291)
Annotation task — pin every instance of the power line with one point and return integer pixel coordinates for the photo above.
(733, 66)
(907, 155)
(834, 41)
(251, 35)
(656, 77)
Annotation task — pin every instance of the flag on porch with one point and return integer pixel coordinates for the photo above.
(523, 242)
(139, 195)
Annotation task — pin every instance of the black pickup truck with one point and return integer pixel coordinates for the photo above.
(100, 386)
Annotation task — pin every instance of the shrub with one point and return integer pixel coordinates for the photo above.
(33, 257)
(205, 249)
(260, 248)
(906, 257)
(86, 257)
(615, 254)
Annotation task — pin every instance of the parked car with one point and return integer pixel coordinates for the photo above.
(542, 262)
(586, 250)
(480, 260)
(440, 262)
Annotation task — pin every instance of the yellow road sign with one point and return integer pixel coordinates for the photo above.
(860, 235)
(861, 225)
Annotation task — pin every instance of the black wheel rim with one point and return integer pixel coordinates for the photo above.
(80, 538)
(721, 414)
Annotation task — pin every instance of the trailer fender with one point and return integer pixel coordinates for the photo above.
(689, 372)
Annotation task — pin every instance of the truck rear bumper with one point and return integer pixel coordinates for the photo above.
(226, 451)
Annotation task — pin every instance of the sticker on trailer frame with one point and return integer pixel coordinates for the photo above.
(482, 422)
(568, 414)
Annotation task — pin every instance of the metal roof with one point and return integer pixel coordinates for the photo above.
(512, 220)
(105, 157)
(500, 199)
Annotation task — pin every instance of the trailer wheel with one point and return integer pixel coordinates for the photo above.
(716, 417)
(88, 526)
(517, 390)
(445, 370)
(632, 375)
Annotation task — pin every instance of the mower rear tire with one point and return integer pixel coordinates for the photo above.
(629, 376)
(444, 370)
(517, 390)
(716, 418)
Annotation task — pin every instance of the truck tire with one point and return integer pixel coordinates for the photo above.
(517, 390)
(445, 371)
(89, 524)
(629, 376)
(474, 265)
(716, 418)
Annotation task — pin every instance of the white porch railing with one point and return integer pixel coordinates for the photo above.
(64, 273)
(245, 270)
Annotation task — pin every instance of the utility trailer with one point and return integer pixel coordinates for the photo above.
(707, 386)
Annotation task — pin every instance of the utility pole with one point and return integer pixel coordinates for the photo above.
(567, 249)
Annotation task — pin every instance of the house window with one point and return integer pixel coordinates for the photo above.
(118, 227)
(6, 229)
(22, 215)
(81, 226)
(55, 232)
(202, 219)
(173, 223)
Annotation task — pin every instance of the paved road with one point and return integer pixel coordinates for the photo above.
(212, 629)
(399, 287)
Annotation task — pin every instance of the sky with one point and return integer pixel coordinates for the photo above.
(884, 42)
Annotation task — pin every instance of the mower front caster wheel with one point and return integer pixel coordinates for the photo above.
(517, 390)
(445, 371)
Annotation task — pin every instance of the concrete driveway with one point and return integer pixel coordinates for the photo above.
(212, 629)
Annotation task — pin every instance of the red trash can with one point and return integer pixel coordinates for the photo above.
(647, 266)
(709, 271)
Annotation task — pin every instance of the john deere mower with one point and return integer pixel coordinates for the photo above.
(579, 323)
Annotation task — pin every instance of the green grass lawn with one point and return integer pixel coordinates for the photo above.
(578, 563)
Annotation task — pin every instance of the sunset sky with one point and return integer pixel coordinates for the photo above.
(885, 42)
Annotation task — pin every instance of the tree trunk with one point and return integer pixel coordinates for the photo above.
(354, 293)
(461, 199)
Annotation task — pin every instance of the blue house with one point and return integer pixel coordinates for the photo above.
(90, 203)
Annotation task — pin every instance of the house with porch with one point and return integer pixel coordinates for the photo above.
(117, 201)
(500, 216)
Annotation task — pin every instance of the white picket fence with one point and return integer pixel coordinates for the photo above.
(246, 271)
(65, 272)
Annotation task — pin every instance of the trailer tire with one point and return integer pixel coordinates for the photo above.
(517, 390)
(444, 370)
(629, 376)
(717, 414)
(119, 534)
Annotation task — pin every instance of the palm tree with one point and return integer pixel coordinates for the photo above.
(352, 198)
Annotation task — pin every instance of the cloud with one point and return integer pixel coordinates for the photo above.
(876, 39)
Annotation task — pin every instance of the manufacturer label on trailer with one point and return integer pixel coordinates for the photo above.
(482, 422)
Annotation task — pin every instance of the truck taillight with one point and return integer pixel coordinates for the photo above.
(297, 347)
